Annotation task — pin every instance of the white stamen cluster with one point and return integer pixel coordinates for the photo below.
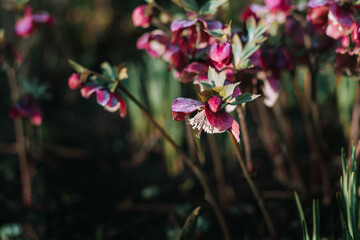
(200, 122)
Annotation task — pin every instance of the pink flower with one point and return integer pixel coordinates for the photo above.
(110, 101)
(278, 5)
(140, 18)
(221, 54)
(27, 108)
(25, 26)
(154, 43)
(211, 117)
(74, 81)
(318, 18)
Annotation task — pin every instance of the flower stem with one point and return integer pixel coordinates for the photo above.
(253, 188)
(198, 172)
(245, 137)
(20, 140)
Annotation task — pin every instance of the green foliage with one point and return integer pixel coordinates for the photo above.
(9, 231)
(255, 37)
(189, 5)
(211, 6)
(345, 91)
(189, 227)
(244, 98)
(77, 67)
(348, 198)
(316, 219)
(35, 88)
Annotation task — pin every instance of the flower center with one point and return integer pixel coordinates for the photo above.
(215, 103)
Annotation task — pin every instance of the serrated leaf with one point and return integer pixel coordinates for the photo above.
(189, 227)
(211, 6)
(206, 94)
(206, 85)
(244, 98)
(189, 5)
(77, 67)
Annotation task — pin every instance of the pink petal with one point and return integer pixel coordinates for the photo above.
(139, 17)
(183, 106)
(102, 97)
(220, 120)
(42, 17)
(122, 109)
(37, 116)
(24, 27)
(219, 53)
(180, 24)
(89, 90)
(113, 104)
(317, 3)
(235, 130)
(342, 14)
(212, 24)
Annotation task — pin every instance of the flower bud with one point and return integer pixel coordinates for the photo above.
(74, 81)
(140, 18)
(221, 53)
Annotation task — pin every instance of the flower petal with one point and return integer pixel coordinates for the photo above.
(89, 90)
(183, 106)
(103, 97)
(235, 131)
(113, 104)
(122, 109)
(180, 24)
(220, 120)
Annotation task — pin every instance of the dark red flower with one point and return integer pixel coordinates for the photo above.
(27, 108)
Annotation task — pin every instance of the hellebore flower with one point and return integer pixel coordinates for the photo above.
(110, 101)
(154, 43)
(25, 26)
(74, 81)
(140, 17)
(27, 108)
(212, 116)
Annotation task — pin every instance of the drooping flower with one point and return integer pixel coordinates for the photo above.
(28, 109)
(140, 17)
(195, 72)
(25, 26)
(110, 101)
(212, 116)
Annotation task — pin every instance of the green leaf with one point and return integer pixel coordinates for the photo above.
(189, 227)
(244, 98)
(229, 89)
(237, 50)
(189, 5)
(316, 220)
(302, 217)
(77, 67)
(217, 33)
(217, 78)
(107, 70)
(206, 85)
(211, 6)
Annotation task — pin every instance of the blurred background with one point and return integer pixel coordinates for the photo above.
(97, 176)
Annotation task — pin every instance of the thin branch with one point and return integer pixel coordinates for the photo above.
(198, 172)
(20, 140)
(245, 137)
(253, 188)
